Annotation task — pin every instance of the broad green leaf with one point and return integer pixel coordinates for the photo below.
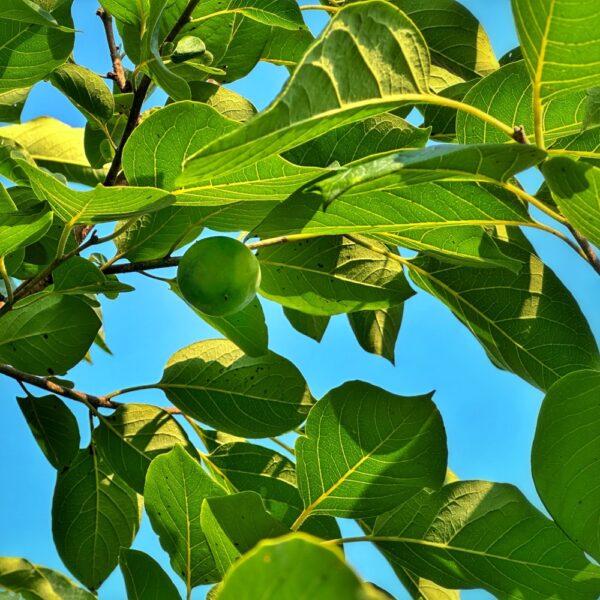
(527, 321)
(375, 135)
(33, 582)
(476, 534)
(55, 146)
(79, 275)
(592, 109)
(285, 47)
(54, 428)
(22, 228)
(283, 13)
(12, 103)
(247, 328)
(441, 119)
(277, 570)
(456, 39)
(145, 578)
(446, 218)
(176, 485)
(27, 11)
(86, 90)
(483, 162)
(98, 205)
(94, 515)
(507, 94)
(225, 101)
(250, 467)
(564, 459)
(585, 144)
(377, 330)
(234, 524)
(31, 333)
(312, 326)
(330, 275)
(366, 450)
(29, 52)
(214, 382)
(560, 40)
(575, 188)
(130, 438)
(379, 56)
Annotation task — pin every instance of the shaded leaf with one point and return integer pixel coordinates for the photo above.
(79, 275)
(94, 515)
(22, 228)
(145, 578)
(366, 449)
(54, 428)
(12, 103)
(377, 331)
(214, 382)
(31, 332)
(130, 438)
(313, 326)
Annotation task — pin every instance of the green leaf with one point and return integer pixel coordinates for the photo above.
(527, 321)
(145, 578)
(55, 146)
(225, 101)
(560, 42)
(130, 438)
(98, 205)
(247, 328)
(284, 13)
(86, 90)
(31, 332)
(312, 326)
(592, 109)
(366, 449)
(442, 119)
(564, 458)
(250, 467)
(377, 330)
(94, 515)
(483, 162)
(33, 582)
(27, 11)
(379, 56)
(507, 95)
(176, 485)
(234, 524)
(214, 382)
(78, 275)
(476, 534)
(29, 52)
(455, 38)
(585, 144)
(54, 428)
(330, 275)
(22, 228)
(375, 135)
(285, 47)
(12, 103)
(447, 218)
(277, 570)
(575, 188)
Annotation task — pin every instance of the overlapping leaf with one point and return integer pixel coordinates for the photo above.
(214, 382)
(133, 436)
(377, 330)
(94, 515)
(527, 321)
(313, 326)
(379, 56)
(22, 228)
(565, 457)
(476, 534)
(366, 449)
(144, 577)
(176, 485)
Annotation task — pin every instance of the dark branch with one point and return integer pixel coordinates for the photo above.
(55, 388)
(587, 248)
(118, 73)
(520, 136)
(146, 265)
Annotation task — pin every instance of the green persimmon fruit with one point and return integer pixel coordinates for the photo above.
(219, 276)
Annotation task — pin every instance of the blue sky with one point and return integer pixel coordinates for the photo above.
(489, 414)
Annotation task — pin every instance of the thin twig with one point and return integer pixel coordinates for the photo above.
(586, 248)
(118, 73)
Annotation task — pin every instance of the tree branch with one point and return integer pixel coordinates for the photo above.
(55, 388)
(118, 73)
(587, 248)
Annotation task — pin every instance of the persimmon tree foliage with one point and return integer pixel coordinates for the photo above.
(344, 208)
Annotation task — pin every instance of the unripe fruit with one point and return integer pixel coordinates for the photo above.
(219, 276)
